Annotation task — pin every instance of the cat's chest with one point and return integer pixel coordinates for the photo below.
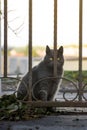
(45, 72)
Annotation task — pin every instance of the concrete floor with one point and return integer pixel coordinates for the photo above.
(61, 122)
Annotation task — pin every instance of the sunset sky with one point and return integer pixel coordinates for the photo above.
(68, 12)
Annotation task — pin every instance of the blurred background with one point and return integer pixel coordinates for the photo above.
(68, 33)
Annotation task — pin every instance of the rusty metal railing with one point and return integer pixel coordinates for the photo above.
(30, 48)
(79, 88)
(55, 38)
(5, 38)
(80, 48)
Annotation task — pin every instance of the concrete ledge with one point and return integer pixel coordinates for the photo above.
(62, 122)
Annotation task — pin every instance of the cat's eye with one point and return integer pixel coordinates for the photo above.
(58, 59)
(51, 58)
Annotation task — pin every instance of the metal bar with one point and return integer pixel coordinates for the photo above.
(30, 48)
(55, 38)
(5, 38)
(80, 49)
(56, 104)
(0, 38)
(0, 50)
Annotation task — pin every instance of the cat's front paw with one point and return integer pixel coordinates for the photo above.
(43, 95)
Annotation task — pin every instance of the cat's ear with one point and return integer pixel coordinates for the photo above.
(47, 49)
(60, 50)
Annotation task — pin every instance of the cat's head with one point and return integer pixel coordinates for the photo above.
(49, 58)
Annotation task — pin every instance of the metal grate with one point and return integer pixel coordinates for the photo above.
(80, 99)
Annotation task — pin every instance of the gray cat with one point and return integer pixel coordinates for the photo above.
(46, 89)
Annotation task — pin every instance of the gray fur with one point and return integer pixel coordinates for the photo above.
(46, 89)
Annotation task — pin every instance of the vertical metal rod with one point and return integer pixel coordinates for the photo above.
(30, 49)
(55, 38)
(0, 50)
(5, 38)
(0, 38)
(80, 49)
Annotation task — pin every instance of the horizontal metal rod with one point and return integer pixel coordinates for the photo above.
(56, 103)
(73, 91)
